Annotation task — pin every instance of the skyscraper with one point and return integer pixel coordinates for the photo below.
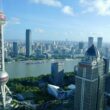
(90, 41)
(57, 71)
(99, 42)
(81, 45)
(28, 42)
(3, 74)
(89, 81)
(15, 49)
(106, 52)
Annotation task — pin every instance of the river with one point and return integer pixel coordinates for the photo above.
(21, 69)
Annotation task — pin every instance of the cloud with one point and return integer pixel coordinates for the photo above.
(101, 7)
(39, 30)
(54, 3)
(68, 10)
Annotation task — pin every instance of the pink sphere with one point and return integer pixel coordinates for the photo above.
(2, 18)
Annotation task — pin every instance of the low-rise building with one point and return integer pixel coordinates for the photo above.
(60, 93)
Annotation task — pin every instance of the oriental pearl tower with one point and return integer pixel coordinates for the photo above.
(4, 90)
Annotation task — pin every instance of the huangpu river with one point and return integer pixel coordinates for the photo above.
(22, 69)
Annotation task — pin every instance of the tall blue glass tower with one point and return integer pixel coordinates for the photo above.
(28, 42)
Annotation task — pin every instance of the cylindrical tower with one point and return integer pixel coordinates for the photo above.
(3, 73)
(2, 22)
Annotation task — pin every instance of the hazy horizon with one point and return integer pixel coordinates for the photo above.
(57, 19)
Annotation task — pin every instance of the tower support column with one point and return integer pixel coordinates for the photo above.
(3, 74)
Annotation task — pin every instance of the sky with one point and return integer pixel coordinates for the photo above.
(73, 20)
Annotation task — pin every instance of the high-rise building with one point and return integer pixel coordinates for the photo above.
(81, 45)
(57, 71)
(90, 41)
(107, 82)
(106, 52)
(89, 94)
(15, 49)
(5, 53)
(99, 42)
(28, 42)
(106, 69)
(4, 98)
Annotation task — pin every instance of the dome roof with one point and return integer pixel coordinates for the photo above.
(92, 51)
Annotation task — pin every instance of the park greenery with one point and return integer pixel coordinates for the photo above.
(30, 87)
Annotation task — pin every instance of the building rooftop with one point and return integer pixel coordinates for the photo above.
(92, 51)
(53, 86)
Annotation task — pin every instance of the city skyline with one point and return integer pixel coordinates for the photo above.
(57, 20)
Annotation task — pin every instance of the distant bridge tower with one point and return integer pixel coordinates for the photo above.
(4, 90)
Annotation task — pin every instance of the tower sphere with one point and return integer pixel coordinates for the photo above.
(2, 18)
(3, 77)
(6, 99)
